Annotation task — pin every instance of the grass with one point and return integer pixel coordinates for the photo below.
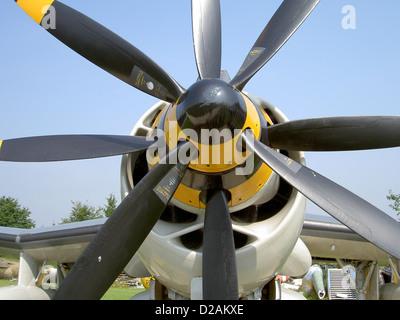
(6, 283)
(121, 293)
(114, 293)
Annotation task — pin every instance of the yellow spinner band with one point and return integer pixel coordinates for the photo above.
(239, 194)
(36, 9)
(245, 190)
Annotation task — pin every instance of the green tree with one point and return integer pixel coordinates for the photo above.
(110, 207)
(396, 201)
(82, 212)
(12, 215)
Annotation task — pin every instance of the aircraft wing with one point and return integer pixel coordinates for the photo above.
(62, 243)
(326, 237)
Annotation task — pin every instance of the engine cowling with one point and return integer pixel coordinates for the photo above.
(267, 213)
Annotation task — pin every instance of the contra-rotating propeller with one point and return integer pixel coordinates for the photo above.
(123, 233)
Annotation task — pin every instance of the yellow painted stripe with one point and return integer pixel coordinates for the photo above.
(250, 187)
(239, 194)
(36, 9)
(1, 142)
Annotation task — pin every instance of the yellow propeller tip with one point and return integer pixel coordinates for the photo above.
(36, 9)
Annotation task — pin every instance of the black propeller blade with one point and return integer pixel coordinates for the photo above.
(107, 50)
(336, 133)
(69, 147)
(206, 24)
(286, 20)
(363, 218)
(219, 258)
(123, 233)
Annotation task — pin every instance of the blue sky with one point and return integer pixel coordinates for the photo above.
(324, 70)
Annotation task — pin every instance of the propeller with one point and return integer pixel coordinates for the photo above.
(126, 229)
(70, 147)
(286, 20)
(206, 24)
(123, 233)
(363, 218)
(219, 257)
(106, 50)
(335, 133)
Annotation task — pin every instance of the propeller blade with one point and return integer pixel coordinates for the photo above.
(363, 218)
(219, 257)
(69, 147)
(206, 24)
(105, 49)
(123, 233)
(286, 20)
(336, 133)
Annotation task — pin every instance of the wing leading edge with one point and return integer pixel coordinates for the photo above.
(327, 238)
(324, 236)
(62, 243)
